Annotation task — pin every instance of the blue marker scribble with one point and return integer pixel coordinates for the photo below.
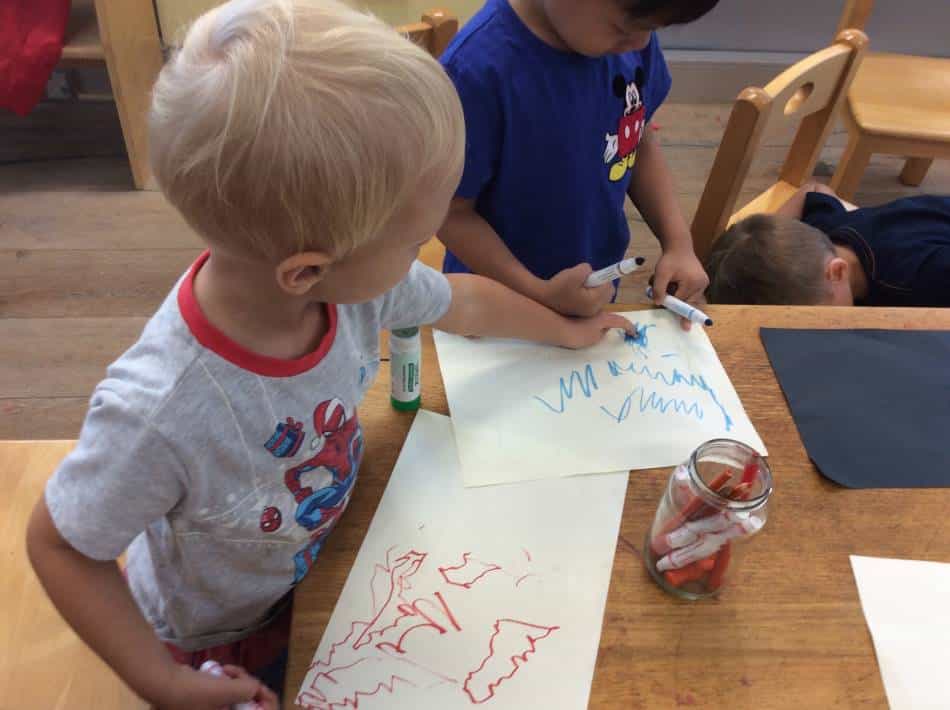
(586, 382)
(640, 339)
(671, 380)
(655, 402)
(582, 383)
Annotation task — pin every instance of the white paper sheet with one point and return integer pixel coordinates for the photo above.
(907, 607)
(460, 596)
(523, 411)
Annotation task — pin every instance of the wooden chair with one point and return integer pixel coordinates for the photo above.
(124, 35)
(433, 33)
(899, 105)
(808, 93)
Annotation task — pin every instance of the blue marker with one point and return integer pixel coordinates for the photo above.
(682, 309)
(621, 268)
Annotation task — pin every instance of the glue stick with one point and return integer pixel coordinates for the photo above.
(405, 352)
(214, 668)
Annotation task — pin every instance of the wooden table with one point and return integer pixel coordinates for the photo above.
(790, 632)
(43, 664)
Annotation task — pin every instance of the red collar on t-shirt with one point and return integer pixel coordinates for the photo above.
(216, 341)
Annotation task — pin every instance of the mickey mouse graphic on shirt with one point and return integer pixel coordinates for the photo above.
(336, 449)
(623, 144)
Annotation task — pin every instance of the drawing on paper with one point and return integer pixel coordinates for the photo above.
(396, 645)
(663, 391)
(508, 648)
(523, 411)
(640, 340)
(470, 597)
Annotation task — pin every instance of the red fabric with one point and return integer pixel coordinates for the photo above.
(219, 343)
(31, 41)
(256, 654)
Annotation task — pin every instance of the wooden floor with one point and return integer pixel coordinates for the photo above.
(84, 260)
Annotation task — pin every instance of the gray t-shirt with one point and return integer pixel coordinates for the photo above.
(222, 471)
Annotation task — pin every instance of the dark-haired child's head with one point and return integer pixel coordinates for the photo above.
(769, 260)
(598, 27)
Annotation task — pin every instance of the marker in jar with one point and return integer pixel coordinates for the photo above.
(690, 544)
(707, 544)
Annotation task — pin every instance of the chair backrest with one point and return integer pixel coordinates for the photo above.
(809, 94)
(855, 15)
(434, 32)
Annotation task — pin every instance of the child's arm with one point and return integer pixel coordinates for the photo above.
(472, 239)
(482, 306)
(651, 189)
(94, 599)
(795, 206)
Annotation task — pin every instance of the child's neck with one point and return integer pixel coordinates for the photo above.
(243, 300)
(536, 20)
(856, 275)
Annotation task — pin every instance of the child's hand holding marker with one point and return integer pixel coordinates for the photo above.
(679, 273)
(567, 292)
(690, 314)
(216, 687)
(621, 268)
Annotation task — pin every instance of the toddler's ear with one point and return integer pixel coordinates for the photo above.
(836, 270)
(297, 274)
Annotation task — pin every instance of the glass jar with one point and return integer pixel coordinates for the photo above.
(713, 503)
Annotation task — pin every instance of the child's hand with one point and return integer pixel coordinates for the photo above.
(680, 266)
(188, 689)
(584, 332)
(566, 293)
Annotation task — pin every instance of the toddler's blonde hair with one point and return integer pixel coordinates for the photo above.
(282, 126)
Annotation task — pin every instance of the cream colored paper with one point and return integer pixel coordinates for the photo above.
(907, 608)
(459, 596)
(523, 411)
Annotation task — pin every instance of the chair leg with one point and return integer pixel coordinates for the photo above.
(851, 167)
(133, 52)
(915, 170)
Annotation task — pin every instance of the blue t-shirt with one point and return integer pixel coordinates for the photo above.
(551, 139)
(903, 246)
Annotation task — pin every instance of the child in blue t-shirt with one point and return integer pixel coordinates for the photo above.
(558, 96)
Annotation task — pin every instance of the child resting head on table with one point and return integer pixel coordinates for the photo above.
(820, 250)
(314, 149)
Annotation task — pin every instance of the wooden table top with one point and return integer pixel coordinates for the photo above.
(43, 663)
(788, 633)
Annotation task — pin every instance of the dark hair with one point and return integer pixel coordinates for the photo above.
(670, 12)
(769, 260)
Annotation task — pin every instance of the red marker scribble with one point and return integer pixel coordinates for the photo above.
(316, 700)
(467, 573)
(413, 609)
(390, 607)
(480, 684)
(405, 566)
(523, 578)
(405, 659)
(341, 680)
(317, 663)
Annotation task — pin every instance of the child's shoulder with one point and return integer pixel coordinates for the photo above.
(493, 37)
(155, 368)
